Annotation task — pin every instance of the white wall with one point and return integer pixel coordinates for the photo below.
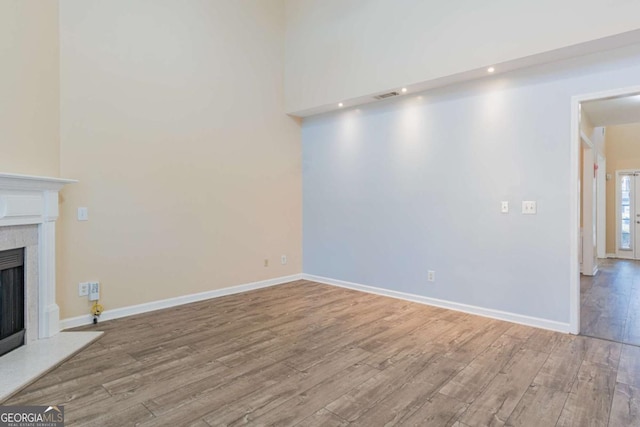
(394, 189)
(338, 50)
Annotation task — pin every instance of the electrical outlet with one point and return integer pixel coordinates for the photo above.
(283, 260)
(83, 289)
(266, 262)
(529, 207)
(94, 291)
(504, 207)
(431, 276)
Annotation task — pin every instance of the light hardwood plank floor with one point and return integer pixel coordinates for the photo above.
(309, 354)
(611, 302)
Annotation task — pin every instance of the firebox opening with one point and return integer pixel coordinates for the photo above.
(12, 300)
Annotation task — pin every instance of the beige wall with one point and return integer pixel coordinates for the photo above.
(339, 50)
(172, 118)
(622, 152)
(29, 101)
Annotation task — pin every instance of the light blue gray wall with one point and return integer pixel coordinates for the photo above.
(394, 189)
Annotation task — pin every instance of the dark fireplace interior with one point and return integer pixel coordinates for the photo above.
(11, 300)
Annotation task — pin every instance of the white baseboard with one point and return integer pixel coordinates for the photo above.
(480, 311)
(117, 313)
(610, 256)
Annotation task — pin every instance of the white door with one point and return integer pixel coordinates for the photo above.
(628, 214)
(635, 211)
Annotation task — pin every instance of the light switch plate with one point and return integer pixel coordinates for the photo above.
(504, 207)
(83, 214)
(529, 207)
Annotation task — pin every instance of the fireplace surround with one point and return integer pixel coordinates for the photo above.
(28, 211)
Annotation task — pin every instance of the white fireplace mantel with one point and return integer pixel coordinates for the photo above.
(28, 200)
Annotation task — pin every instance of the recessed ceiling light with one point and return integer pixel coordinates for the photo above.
(490, 70)
(404, 90)
(341, 105)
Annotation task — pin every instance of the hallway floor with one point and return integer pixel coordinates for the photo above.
(611, 302)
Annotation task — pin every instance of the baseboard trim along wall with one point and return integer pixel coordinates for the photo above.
(117, 313)
(471, 309)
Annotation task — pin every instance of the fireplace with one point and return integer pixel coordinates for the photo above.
(29, 314)
(28, 211)
(12, 300)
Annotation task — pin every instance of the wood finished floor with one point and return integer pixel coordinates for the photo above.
(611, 302)
(308, 354)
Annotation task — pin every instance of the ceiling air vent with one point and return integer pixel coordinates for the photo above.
(387, 95)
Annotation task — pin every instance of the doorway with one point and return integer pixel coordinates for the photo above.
(604, 300)
(628, 214)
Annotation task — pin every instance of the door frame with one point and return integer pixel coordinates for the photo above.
(588, 202)
(601, 206)
(574, 187)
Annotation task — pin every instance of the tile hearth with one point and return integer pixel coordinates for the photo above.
(25, 364)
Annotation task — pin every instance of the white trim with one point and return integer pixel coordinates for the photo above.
(472, 309)
(586, 139)
(574, 218)
(27, 200)
(13, 181)
(117, 313)
(574, 212)
(624, 254)
(587, 200)
(610, 255)
(601, 203)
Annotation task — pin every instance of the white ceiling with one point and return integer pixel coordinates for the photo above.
(613, 111)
